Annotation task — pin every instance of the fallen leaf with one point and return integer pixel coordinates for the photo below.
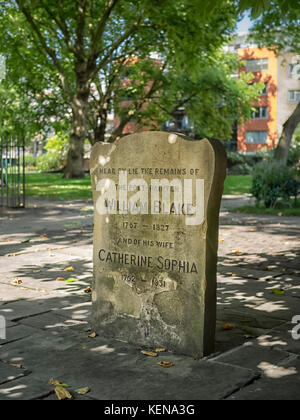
(278, 292)
(82, 391)
(149, 353)
(69, 269)
(228, 327)
(60, 279)
(237, 252)
(70, 281)
(162, 350)
(55, 382)
(234, 275)
(37, 250)
(88, 289)
(165, 364)
(62, 393)
(37, 271)
(93, 335)
(16, 365)
(17, 281)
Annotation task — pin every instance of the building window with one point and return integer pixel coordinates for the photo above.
(294, 96)
(257, 65)
(260, 113)
(257, 137)
(265, 91)
(294, 71)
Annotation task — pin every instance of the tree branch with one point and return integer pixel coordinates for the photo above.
(114, 47)
(51, 53)
(61, 25)
(97, 35)
(79, 46)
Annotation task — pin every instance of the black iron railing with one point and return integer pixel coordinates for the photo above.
(12, 172)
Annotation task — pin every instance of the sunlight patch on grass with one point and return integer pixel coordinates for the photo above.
(238, 184)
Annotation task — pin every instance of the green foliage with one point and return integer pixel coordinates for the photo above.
(297, 135)
(212, 99)
(241, 163)
(45, 41)
(279, 25)
(50, 161)
(294, 156)
(58, 143)
(30, 161)
(272, 181)
(56, 51)
(259, 7)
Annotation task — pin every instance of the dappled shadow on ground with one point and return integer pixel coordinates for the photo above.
(49, 320)
(258, 276)
(50, 216)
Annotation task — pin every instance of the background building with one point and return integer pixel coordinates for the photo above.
(280, 75)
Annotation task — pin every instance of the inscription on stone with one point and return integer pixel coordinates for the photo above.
(157, 200)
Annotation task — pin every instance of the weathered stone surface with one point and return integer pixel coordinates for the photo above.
(253, 357)
(279, 383)
(24, 389)
(16, 333)
(157, 200)
(9, 373)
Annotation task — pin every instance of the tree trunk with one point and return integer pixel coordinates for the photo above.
(100, 129)
(78, 135)
(282, 151)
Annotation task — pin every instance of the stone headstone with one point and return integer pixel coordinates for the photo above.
(157, 200)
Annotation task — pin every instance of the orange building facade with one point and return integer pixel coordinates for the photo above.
(261, 131)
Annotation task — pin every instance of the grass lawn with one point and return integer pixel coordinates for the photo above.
(55, 186)
(289, 211)
(238, 184)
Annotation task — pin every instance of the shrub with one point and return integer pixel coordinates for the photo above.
(51, 161)
(243, 164)
(272, 181)
(294, 155)
(30, 161)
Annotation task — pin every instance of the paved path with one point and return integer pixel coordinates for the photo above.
(48, 320)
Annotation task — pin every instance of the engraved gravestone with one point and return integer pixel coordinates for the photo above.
(157, 201)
